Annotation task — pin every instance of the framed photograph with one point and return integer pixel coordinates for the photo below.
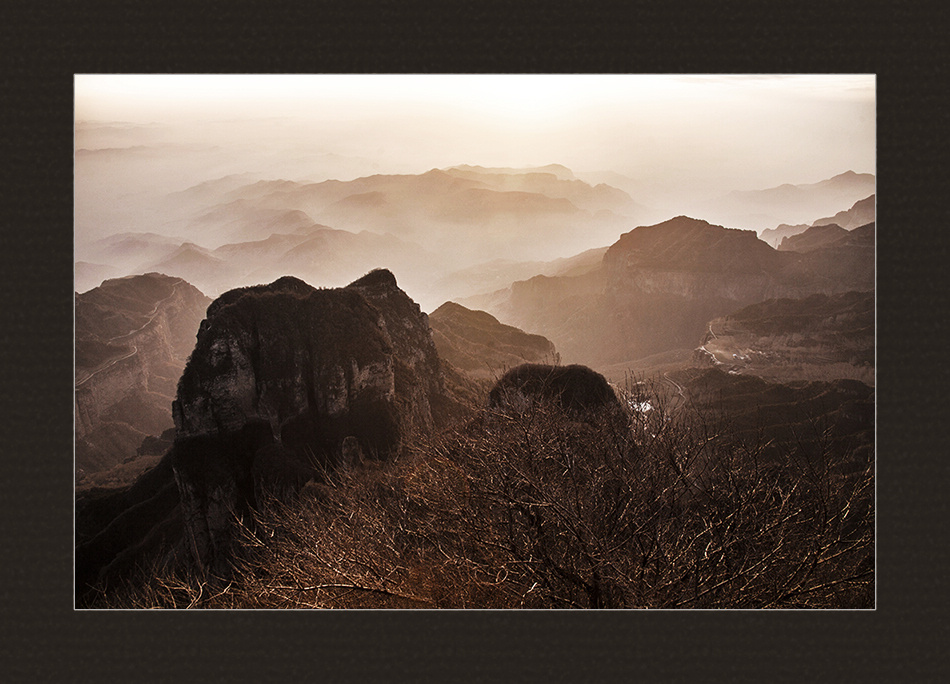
(475, 341)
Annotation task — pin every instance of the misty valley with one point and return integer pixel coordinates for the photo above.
(307, 383)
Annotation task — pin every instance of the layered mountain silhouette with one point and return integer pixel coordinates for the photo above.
(788, 204)
(552, 181)
(312, 251)
(813, 238)
(658, 286)
(861, 213)
(441, 231)
(133, 336)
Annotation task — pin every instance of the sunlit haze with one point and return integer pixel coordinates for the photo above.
(675, 144)
(749, 132)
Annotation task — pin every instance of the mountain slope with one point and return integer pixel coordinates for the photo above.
(132, 338)
(860, 213)
(476, 343)
(813, 238)
(658, 286)
(814, 338)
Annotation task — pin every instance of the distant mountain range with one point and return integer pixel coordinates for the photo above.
(813, 238)
(434, 230)
(787, 204)
(327, 256)
(860, 213)
(658, 286)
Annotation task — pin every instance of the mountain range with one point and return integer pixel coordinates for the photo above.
(256, 345)
(861, 213)
(658, 286)
(788, 204)
(440, 232)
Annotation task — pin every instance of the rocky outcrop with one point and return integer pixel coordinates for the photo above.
(133, 336)
(287, 382)
(576, 389)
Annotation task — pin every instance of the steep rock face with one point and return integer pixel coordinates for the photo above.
(478, 344)
(287, 381)
(133, 336)
(418, 383)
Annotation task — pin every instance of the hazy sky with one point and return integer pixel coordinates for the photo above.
(713, 132)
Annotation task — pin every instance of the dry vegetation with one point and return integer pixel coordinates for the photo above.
(546, 509)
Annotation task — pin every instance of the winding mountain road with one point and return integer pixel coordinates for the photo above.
(679, 388)
(151, 317)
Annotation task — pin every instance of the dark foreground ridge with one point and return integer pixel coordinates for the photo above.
(286, 383)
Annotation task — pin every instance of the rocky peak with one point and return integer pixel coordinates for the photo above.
(289, 379)
(688, 244)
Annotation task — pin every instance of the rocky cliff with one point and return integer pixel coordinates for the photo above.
(286, 383)
(133, 336)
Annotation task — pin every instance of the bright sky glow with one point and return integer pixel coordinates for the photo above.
(745, 131)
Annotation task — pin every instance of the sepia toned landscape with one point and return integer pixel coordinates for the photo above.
(490, 342)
